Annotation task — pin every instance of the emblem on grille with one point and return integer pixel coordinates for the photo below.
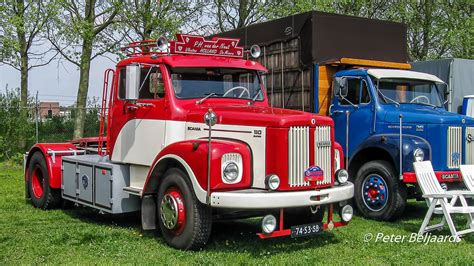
(313, 173)
(455, 157)
(324, 143)
(469, 138)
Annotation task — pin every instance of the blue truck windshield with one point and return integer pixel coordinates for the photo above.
(408, 91)
(195, 82)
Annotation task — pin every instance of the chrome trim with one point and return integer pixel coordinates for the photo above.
(261, 199)
(469, 146)
(322, 153)
(454, 147)
(298, 155)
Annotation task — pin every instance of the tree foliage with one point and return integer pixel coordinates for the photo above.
(22, 41)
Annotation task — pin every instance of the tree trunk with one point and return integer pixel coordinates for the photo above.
(84, 69)
(20, 30)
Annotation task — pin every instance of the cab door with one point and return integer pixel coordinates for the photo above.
(138, 126)
(352, 111)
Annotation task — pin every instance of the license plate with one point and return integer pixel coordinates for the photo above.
(306, 229)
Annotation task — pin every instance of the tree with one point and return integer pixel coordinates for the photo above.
(150, 19)
(82, 31)
(23, 46)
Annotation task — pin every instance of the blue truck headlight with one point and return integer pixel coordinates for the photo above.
(418, 155)
(231, 166)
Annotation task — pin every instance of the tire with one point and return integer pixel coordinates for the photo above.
(303, 215)
(379, 194)
(41, 194)
(192, 226)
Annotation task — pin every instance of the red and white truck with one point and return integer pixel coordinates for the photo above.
(187, 136)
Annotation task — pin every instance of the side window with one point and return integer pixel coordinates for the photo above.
(353, 92)
(365, 96)
(151, 82)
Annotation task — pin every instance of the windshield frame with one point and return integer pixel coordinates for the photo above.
(260, 91)
(380, 95)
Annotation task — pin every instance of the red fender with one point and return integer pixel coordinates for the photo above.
(338, 147)
(53, 164)
(194, 153)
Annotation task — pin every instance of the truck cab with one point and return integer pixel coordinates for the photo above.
(190, 138)
(386, 119)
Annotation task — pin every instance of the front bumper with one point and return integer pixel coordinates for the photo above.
(442, 176)
(261, 199)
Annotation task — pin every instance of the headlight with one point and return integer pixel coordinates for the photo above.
(342, 176)
(269, 223)
(346, 213)
(273, 182)
(231, 166)
(419, 155)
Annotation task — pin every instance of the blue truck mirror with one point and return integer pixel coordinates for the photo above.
(341, 86)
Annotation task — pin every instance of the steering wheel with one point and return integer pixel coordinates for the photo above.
(420, 97)
(244, 90)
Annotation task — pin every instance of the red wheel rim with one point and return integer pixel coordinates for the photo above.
(37, 182)
(173, 213)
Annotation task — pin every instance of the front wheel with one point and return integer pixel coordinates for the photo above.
(185, 223)
(378, 194)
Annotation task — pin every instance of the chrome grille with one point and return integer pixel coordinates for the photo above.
(322, 152)
(454, 156)
(469, 145)
(298, 155)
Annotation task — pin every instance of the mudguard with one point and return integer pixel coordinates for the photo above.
(391, 144)
(53, 153)
(191, 156)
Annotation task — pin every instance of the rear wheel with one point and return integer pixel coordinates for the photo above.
(42, 195)
(185, 223)
(378, 194)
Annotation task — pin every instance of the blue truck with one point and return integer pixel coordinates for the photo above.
(386, 116)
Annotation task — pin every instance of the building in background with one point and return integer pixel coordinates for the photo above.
(48, 109)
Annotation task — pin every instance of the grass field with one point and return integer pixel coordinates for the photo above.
(80, 235)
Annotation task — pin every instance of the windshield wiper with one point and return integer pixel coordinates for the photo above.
(207, 96)
(387, 98)
(256, 95)
(429, 104)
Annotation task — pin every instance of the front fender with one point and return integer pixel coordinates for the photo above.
(390, 143)
(191, 156)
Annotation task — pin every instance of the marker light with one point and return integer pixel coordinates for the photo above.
(255, 51)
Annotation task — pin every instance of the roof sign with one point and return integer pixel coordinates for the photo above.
(197, 45)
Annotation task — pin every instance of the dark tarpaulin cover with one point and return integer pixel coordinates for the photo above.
(325, 36)
(456, 72)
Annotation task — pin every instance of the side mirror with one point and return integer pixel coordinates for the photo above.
(132, 84)
(342, 89)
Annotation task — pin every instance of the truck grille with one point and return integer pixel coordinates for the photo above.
(454, 155)
(322, 152)
(470, 145)
(298, 155)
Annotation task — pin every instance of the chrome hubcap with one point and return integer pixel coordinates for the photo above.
(169, 211)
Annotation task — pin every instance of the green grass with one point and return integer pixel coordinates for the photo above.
(81, 235)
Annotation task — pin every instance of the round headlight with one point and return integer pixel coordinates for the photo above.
(255, 51)
(346, 213)
(269, 223)
(231, 172)
(419, 155)
(273, 182)
(342, 176)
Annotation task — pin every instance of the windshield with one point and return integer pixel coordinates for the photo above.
(408, 91)
(193, 83)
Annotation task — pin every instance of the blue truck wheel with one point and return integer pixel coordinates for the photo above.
(379, 194)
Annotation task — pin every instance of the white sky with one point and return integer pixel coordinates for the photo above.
(57, 81)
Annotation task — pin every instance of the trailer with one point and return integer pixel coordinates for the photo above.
(386, 116)
(186, 137)
(457, 73)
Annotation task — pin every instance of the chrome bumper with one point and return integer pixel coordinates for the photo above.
(260, 199)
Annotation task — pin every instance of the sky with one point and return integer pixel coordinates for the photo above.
(57, 81)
